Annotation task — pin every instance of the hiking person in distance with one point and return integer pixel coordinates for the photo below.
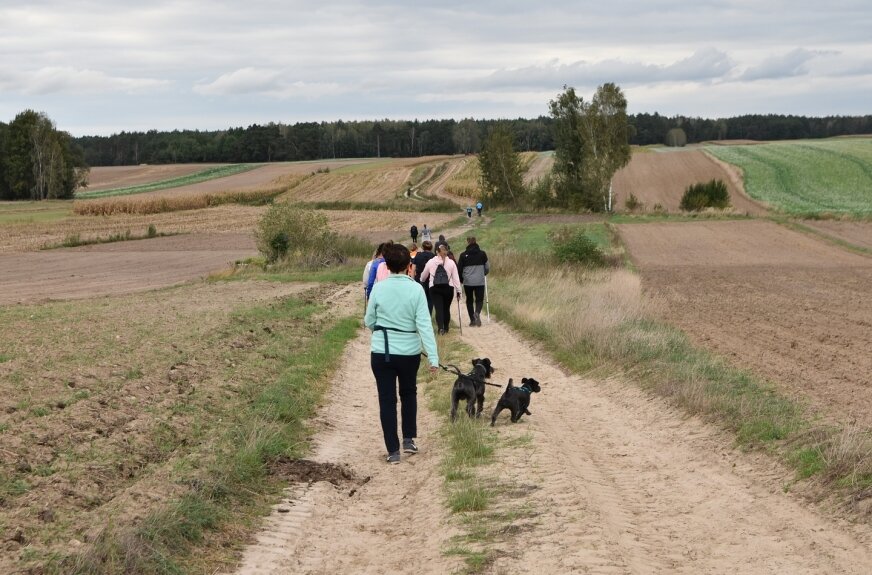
(479, 207)
(425, 234)
(420, 260)
(468, 212)
(413, 231)
(441, 273)
(472, 267)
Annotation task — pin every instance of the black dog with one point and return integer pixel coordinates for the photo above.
(470, 387)
(516, 399)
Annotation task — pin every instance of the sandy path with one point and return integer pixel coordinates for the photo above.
(396, 522)
(618, 481)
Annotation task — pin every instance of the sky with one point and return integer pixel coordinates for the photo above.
(98, 67)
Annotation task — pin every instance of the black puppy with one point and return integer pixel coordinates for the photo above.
(516, 399)
(470, 387)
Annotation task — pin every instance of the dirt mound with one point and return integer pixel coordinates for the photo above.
(661, 178)
(791, 307)
(309, 471)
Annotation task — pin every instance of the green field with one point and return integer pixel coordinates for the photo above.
(196, 178)
(811, 177)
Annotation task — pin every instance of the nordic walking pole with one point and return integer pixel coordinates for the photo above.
(459, 319)
(486, 302)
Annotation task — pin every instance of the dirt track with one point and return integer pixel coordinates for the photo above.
(789, 306)
(540, 166)
(617, 481)
(661, 178)
(856, 233)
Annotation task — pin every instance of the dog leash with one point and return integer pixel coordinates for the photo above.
(458, 373)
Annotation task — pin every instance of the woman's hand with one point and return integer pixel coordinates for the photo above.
(434, 369)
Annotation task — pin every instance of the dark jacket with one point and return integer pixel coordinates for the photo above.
(420, 260)
(472, 266)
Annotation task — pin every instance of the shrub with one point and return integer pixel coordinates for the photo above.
(676, 138)
(571, 245)
(633, 203)
(286, 229)
(292, 234)
(712, 194)
(152, 231)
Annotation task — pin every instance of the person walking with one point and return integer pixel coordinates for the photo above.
(425, 234)
(473, 266)
(440, 242)
(397, 316)
(373, 269)
(413, 250)
(413, 231)
(441, 273)
(421, 258)
(479, 207)
(468, 212)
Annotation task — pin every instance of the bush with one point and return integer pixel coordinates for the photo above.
(633, 203)
(571, 245)
(285, 229)
(295, 235)
(712, 194)
(152, 231)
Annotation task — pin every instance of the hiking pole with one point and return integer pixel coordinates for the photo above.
(486, 301)
(459, 320)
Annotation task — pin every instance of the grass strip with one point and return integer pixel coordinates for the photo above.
(196, 178)
(471, 492)
(596, 320)
(76, 240)
(198, 530)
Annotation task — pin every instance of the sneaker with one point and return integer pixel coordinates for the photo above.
(473, 322)
(394, 458)
(409, 446)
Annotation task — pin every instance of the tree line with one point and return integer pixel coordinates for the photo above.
(275, 142)
(38, 161)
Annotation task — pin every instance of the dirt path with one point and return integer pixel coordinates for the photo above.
(618, 482)
(395, 522)
(540, 166)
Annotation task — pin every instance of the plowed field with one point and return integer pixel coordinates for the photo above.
(789, 306)
(109, 177)
(661, 178)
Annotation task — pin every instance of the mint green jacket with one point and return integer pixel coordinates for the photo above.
(399, 302)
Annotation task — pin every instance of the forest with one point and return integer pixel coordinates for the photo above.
(276, 142)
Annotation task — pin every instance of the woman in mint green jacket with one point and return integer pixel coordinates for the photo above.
(397, 313)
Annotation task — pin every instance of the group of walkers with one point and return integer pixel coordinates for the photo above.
(402, 287)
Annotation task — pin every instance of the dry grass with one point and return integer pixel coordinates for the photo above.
(465, 183)
(161, 204)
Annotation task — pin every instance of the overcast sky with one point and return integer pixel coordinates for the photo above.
(100, 66)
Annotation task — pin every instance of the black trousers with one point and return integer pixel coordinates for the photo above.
(478, 293)
(402, 369)
(426, 286)
(414, 238)
(443, 297)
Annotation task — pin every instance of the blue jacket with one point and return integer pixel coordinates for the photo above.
(373, 270)
(398, 302)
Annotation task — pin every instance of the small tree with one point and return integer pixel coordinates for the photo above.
(500, 168)
(676, 138)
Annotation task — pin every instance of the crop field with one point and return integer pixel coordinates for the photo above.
(658, 181)
(807, 177)
(194, 178)
(783, 303)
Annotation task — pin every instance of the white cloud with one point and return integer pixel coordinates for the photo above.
(263, 82)
(793, 63)
(75, 82)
